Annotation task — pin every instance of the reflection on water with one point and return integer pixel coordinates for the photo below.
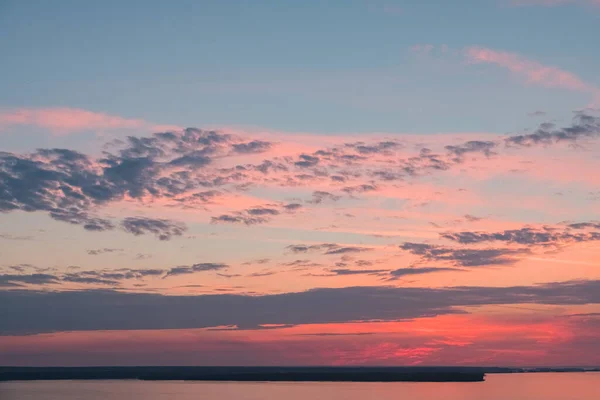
(538, 386)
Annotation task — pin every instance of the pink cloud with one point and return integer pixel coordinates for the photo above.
(534, 72)
(492, 339)
(64, 120)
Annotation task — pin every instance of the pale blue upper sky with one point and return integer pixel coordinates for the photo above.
(312, 66)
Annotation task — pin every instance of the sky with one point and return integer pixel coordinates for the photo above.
(356, 182)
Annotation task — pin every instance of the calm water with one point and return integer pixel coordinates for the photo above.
(539, 386)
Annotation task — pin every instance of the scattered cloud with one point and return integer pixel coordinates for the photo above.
(259, 261)
(319, 196)
(347, 271)
(107, 277)
(32, 279)
(472, 146)
(327, 248)
(95, 252)
(255, 146)
(256, 215)
(261, 274)
(201, 168)
(164, 229)
(402, 272)
(201, 267)
(545, 236)
(584, 126)
(464, 257)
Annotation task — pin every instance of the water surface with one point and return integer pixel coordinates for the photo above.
(538, 386)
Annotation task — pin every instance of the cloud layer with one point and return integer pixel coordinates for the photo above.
(195, 168)
(94, 310)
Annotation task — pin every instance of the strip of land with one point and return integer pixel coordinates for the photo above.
(292, 374)
(265, 374)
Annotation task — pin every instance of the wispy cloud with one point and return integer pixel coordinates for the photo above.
(532, 71)
(64, 120)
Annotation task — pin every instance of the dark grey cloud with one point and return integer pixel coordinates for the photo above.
(88, 222)
(307, 161)
(262, 211)
(474, 146)
(338, 178)
(388, 175)
(95, 252)
(260, 261)
(70, 186)
(9, 284)
(164, 229)
(93, 280)
(360, 188)
(401, 272)
(31, 279)
(238, 219)
(347, 271)
(584, 126)
(383, 147)
(527, 236)
(327, 248)
(255, 146)
(292, 207)
(320, 196)
(255, 328)
(203, 197)
(464, 257)
(585, 225)
(426, 161)
(268, 166)
(346, 249)
(27, 312)
(109, 277)
(256, 215)
(138, 273)
(200, 267)
(261, 274)
(301, 263)
(19, 268)
(100, 277)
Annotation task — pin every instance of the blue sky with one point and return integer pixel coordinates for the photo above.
(311, 66)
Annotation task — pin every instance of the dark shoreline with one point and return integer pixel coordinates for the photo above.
(247, 374)
(269, 374)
